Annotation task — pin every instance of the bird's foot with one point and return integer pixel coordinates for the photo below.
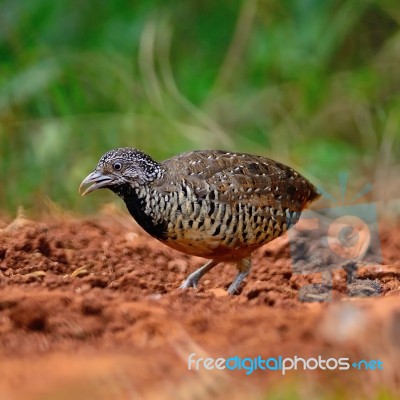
(190, 282)
(193, 279)
(244, 267)
(233, 288)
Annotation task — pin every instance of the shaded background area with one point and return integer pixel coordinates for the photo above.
(314, 84)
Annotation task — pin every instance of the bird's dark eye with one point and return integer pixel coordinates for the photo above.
(117, 166)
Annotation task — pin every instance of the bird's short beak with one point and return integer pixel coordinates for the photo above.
(96, 180)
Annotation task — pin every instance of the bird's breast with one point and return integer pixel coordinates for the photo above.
(207, 227)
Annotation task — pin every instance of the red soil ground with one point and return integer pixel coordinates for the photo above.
(89, 309)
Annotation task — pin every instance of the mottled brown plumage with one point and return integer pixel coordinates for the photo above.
(212, 204)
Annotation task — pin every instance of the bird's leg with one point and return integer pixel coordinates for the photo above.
(244, 267)
(193, 279)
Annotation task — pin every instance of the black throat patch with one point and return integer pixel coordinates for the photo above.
(136, 207)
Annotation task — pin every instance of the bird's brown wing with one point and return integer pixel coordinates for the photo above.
(234, 177)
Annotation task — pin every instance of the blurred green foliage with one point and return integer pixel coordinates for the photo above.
(313, 83)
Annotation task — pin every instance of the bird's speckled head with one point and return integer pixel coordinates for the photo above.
(122, 168)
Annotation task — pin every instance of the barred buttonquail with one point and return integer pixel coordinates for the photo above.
(213, 204)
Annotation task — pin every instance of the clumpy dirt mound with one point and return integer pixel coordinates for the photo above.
(90, 308)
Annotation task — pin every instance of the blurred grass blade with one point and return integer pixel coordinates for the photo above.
(31, 81)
